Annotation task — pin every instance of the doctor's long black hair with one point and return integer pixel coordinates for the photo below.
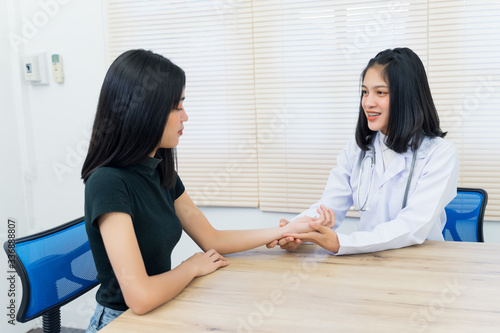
(138, 93)
(412, 113)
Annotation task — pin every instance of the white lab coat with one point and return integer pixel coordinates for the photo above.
(385, 225)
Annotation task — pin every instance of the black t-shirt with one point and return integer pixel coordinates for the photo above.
(135, 190)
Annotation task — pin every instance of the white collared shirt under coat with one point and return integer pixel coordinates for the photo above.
(385, 225)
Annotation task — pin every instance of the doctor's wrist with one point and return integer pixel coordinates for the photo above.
(335, 244)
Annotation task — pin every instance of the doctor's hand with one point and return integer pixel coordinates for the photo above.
(326, 217)
(322, 236)
(286, 243)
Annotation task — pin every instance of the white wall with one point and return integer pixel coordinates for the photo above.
(61, 114)
(12, 204)
(47, 126)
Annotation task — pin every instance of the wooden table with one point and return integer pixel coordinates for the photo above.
(433, 287)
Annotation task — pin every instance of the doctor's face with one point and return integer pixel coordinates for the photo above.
(375, 100)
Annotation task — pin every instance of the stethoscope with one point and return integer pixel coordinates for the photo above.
(364, 158)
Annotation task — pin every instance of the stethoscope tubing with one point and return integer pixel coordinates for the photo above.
(372, 166)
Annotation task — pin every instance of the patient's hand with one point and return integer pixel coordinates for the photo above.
(286, 243)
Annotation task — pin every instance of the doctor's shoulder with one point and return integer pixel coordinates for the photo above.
(351, 154)
(438, 148)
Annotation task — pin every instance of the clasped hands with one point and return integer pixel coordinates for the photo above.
(317, 230)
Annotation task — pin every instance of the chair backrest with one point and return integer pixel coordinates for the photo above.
(55, 267)
(464, 216)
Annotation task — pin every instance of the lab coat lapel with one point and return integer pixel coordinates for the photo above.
(397, 166)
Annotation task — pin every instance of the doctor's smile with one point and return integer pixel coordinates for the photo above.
(372, 115)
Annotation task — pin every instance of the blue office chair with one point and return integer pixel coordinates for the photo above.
(55, 267)
(464, 216)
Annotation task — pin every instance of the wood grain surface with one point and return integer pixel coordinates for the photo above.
(433, 287)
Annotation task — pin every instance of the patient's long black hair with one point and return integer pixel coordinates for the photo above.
(139, 91)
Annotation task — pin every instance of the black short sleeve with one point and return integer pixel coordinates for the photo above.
(106, 192)
(178, 188)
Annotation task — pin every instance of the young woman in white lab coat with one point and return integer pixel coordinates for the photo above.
(398, 172)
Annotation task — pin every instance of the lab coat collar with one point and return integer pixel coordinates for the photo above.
(398, 164)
